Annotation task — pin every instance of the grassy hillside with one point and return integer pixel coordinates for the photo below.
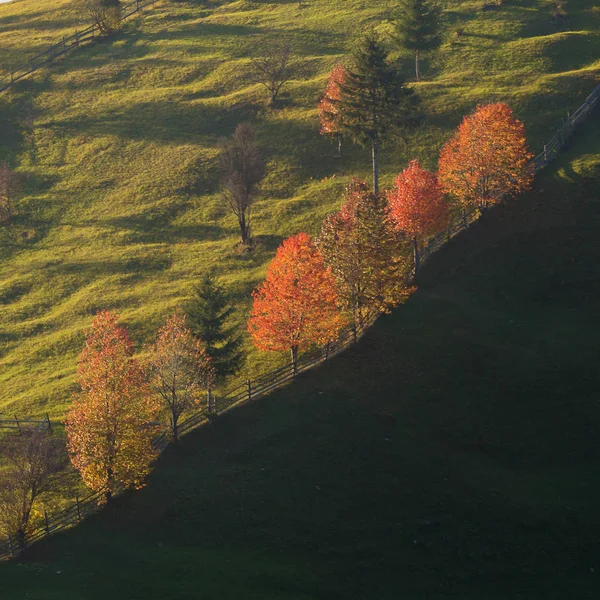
(452, 454)
(122, 208)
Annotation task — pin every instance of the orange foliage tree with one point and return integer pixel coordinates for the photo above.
(181, 372)
(296, 306)
(329, 105)
(366, 256)
(487, 158)
(110, 425)
(417, 205)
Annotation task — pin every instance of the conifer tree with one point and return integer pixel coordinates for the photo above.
(375, 101)
(418, 28)
(208, 314)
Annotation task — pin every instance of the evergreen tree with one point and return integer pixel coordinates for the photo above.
(375, 100)
(418, 28)
(208, 313)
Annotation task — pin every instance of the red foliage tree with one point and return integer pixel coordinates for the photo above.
(296, 306)
(109, 426)
(417, 205)
(487, 158)
(329, 105)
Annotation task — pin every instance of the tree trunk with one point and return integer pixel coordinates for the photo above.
(109, 485)
(375, 147)
(174, 425)
(294, 352)
(417, 258)
(243, 226)
(417, 66)
(209, 399)
(340, 147)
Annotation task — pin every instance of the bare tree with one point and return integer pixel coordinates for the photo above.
(242, 170)
(10, 190)
(274, 66)
(35, 463)
(106, 14)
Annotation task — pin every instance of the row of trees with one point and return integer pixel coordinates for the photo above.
(125, 402)
(361, 261)
(122, 404)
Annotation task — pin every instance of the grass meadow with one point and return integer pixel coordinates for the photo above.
(122, 207)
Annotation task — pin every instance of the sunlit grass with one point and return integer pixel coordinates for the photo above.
(122, 208)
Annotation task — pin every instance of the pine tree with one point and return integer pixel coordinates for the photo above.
(208, 312)
(418, 28)
(375, 100)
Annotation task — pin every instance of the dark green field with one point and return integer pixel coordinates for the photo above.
(454, 453)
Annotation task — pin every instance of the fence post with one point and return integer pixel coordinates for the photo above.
(76, 37)
(46, 523)
(249, 384)
(49, 423)
(18, 424)
(78, 509)
(10, 546)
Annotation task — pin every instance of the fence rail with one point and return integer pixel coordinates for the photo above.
(24, 424)
(264, 384)
(57, 50)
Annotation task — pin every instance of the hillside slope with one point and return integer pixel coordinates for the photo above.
(122, 208)
(452, 454)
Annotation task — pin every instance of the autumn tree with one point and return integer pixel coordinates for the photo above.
(242, 170)
(110, 425)
(105, 14)
(368, 260)
(296, 306)
(35, 462)
(209, 312)
(181, 372)
(418, 28)
(274, 65)
(417, 206)
(329, 108)
(486, 158)
(375, 100)
(10, 190)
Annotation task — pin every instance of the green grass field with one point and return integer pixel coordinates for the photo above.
(122, 208)
(452, 454)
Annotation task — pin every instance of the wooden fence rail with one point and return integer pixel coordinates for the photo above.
(67, 43)
(264, 384)
(23, 424)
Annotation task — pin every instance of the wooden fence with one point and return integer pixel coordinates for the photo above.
(16, 424)
(67, 43)
(256, 388)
